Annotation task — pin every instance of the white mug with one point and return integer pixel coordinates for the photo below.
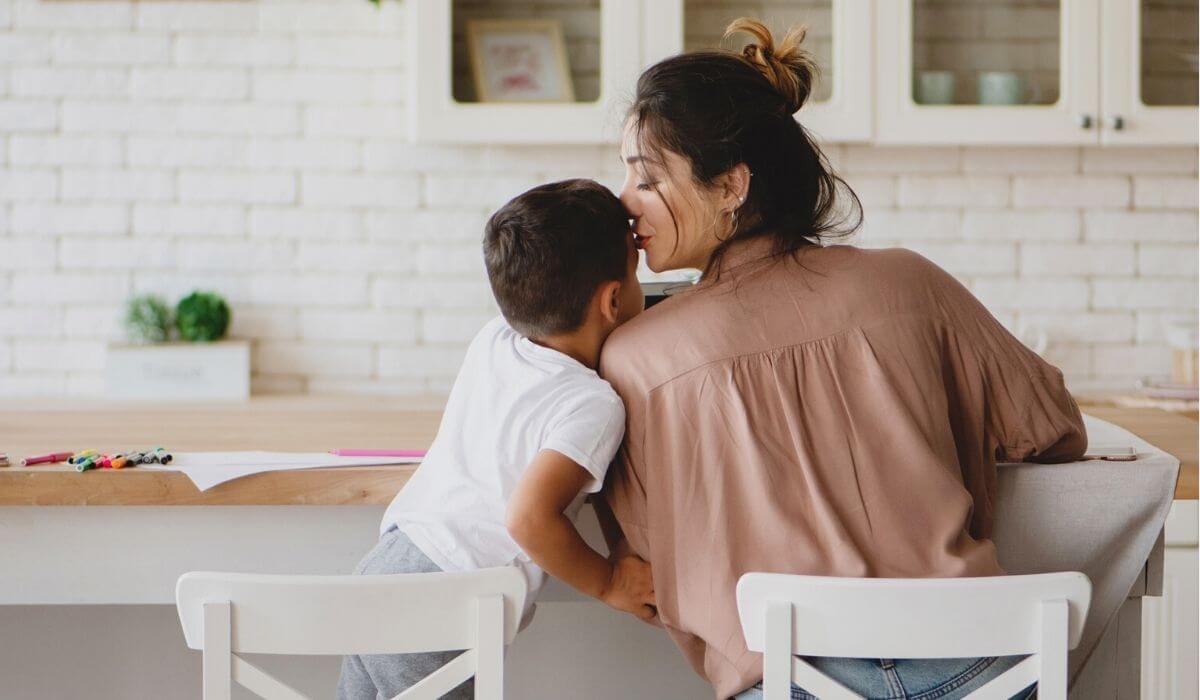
(1001, 88)
(935, 87)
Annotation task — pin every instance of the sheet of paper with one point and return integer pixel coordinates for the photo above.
(207, 469)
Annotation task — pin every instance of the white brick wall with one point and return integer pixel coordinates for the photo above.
(258, 149)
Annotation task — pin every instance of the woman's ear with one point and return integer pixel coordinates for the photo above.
(735, 185)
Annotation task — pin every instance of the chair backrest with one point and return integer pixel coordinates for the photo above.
(225, 614)
(1043, 615)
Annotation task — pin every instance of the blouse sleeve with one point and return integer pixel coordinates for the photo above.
(1033, 416)
(1029, 414)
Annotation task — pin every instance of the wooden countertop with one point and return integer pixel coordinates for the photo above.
(298, 424)
(305, 424)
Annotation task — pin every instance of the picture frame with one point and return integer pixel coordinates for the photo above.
(519, 60)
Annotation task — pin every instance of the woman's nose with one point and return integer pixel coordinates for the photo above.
(627, 198)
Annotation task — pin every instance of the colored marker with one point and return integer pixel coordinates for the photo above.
(119, 461)
(84, 465)
(46, 459)
(354, 452)
(80, 456)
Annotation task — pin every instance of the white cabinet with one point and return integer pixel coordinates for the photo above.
(1148, 69)
(604, 50)
(1040, 72)
(987, 73)
(892, 71)
(1170, 623)
(839, 31)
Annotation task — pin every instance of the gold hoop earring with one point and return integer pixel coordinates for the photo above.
(733, 223)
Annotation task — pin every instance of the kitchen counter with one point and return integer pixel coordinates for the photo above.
(72, 538)
(306, 424)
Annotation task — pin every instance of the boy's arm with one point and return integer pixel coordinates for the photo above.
(536, 521)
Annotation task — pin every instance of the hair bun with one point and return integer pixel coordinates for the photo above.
(789, 68)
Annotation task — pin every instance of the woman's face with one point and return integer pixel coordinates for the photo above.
(655, 186)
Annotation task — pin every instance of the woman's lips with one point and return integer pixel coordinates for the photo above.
(640, 241)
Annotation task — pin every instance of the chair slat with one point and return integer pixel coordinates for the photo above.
(330, 615)
(218, 675)
(777, 657)
(1052, 676)
(1009, 683)
(263, 683)
(818, 683)
(443, 680)
(489, 675)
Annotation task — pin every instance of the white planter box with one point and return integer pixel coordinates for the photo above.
(179, 371)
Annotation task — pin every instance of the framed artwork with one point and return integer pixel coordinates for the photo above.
(522, 60)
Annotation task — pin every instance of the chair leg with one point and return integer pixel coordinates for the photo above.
(489, 672)
(1052, 672)
(777, 651)
(217, 655)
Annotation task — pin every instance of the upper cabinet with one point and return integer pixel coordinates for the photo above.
(1148, 69)
(1036, 71)
(891, 71)
(838, 37)
(1003, 71)
(514, 71)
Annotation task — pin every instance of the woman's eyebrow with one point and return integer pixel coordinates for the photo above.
(631, 160)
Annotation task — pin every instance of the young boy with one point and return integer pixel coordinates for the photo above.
(529, 428)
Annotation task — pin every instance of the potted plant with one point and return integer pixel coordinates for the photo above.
(180, 355)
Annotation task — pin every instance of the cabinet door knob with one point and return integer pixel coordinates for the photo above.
(1085, 121)
(1118, 122)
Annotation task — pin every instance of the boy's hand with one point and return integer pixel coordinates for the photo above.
(631, 588)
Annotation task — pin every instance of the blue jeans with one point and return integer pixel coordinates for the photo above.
(906, 679)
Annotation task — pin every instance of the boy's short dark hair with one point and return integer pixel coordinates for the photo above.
(549, 249)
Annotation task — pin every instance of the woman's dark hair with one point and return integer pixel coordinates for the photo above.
(719, 108)
(549, 249)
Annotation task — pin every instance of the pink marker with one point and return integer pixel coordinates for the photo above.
(43, 459)
(345, 452)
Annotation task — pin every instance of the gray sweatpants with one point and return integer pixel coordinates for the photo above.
(383, 676)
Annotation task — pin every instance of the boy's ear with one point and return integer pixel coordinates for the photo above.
(609, 298)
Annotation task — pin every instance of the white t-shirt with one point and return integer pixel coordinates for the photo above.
(512, 399)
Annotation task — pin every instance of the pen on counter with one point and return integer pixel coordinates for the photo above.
(355, 452)
(46, 459)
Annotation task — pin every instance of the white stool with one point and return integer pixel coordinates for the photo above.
(787, 616)
(226, 614)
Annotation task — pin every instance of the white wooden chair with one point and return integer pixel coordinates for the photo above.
(227, 614)
(1041, 615)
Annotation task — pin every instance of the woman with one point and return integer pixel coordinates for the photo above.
(806, 408)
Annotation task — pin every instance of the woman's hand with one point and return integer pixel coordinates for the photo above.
(631, 588)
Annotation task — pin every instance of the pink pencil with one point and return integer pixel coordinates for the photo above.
(350, 452)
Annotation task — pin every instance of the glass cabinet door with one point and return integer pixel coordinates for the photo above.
(838, 38)
(1002, 53)
(1001, 71)
(521, 71)
(1149, 74)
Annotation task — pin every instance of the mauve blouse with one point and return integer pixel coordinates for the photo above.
(838, 415)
